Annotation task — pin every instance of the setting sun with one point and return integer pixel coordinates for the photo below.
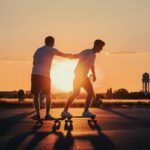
(62, 74)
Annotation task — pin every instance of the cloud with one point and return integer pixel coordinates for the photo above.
(3, 58)
(9, 59)
(125, 52)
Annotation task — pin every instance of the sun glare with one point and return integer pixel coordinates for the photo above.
(62, 75)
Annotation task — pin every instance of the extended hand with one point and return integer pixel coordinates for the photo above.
(71, 56)
(93, 77)
(68, 55)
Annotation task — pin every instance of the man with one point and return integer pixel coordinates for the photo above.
(85, 63)
(40, 78)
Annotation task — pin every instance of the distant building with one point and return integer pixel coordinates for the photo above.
(8, 94)
(109, 93)
(145, 82)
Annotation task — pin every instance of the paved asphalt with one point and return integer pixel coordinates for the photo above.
(123, 129)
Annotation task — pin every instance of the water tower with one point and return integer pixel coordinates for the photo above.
(145, 82)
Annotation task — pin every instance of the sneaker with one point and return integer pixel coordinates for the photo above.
(48, 117)
(66, 114)
(88, 114)
(36, 117)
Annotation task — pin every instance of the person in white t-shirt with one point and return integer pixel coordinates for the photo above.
(40, 78)
(85, 63)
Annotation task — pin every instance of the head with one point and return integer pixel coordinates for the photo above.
(49, 41)
(98, 45)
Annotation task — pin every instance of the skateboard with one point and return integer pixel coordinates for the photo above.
(92, 119)
(56, 120)
(68, 119)
(56, 125)
(68, 125)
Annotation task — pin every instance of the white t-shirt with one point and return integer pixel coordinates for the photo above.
(42, 60)
(86, 61)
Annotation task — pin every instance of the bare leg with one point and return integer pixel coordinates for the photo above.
(36, 103)
(90, 92)
(48, 104)
(70, 100)
(88, 101)
(76, 91)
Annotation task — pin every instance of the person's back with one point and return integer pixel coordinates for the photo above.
(81, 80)
(86, 61)
(42, 60)
(40, 78)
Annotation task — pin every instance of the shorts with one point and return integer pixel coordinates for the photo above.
(82, 82)
(39, 84)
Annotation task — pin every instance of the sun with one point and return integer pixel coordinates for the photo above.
(62, 74)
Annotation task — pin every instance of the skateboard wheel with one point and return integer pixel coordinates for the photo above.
(56, 121)
(93, 118)
(69, 119)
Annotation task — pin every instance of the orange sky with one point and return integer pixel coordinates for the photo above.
(123, 25)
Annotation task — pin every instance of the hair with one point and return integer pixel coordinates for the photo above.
(49, 40)
(99, 42)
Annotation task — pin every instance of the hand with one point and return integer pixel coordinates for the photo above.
(93, 77)
(73, 56)
(69, 56)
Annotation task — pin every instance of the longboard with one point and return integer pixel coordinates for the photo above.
(52, 119)
(90, 119)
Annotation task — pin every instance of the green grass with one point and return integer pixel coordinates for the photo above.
(58, 103)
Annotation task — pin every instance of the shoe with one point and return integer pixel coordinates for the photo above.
(36, 117)
(88, 114)
(66, 114)
(48, 117)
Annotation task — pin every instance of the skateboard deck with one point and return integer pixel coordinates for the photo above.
(90, 119)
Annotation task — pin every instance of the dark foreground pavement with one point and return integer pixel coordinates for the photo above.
(122, 129)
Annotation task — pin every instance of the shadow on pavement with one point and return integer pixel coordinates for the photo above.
(140, 122)
(7, 124)
(99, 141)
(33, 138)
(65, 142)
(16, 141)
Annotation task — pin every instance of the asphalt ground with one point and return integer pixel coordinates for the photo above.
(123, 129)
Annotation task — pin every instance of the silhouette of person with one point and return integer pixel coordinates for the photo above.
(42, 103)
(40, 78)
(85, 63)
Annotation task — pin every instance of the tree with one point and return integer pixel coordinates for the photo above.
(121, 94)
(21, 95)
(109, 93)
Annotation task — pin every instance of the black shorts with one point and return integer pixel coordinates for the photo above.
(39, 84)
(82, 82)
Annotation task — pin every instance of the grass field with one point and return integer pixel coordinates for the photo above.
(79, 103)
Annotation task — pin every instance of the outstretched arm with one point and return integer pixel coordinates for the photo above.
(74, 56)
(93, 73)
(71, 56)
(58, 53)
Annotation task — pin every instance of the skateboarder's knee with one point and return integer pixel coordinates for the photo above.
(75, 94)
(90, 94)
